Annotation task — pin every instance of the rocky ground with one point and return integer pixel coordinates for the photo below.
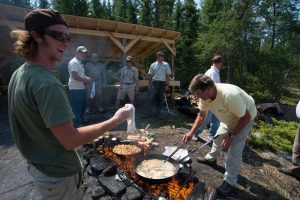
(258, 179)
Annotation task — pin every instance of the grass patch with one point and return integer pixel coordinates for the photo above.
(277, 137)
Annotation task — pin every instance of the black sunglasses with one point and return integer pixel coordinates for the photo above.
(60, 36)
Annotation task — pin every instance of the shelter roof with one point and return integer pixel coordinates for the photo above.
(113, 40)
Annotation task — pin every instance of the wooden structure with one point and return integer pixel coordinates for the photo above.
(111, 40)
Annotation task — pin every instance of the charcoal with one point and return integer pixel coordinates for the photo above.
(97, 168)
(97, 192)
(111, 170)
(133, 193)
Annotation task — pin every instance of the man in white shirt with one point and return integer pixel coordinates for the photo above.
(214, 74)
(77, 81)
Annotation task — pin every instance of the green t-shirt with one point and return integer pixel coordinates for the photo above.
(37, 101)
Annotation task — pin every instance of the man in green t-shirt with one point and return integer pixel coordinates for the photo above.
(39, 110)
(236, 111)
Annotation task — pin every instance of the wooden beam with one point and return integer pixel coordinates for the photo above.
(115, 40)
(118, 35)
(130, 45)
(168, 46)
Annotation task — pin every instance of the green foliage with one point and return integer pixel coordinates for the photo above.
(277, 137)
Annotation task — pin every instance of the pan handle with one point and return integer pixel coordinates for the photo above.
(196, 149)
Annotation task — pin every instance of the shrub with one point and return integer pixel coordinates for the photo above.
(277, 137)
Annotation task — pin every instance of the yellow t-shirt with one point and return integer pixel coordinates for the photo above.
(230, 104)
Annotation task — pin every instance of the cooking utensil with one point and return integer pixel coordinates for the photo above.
(170, 156)
(159, 157)
(210, 140)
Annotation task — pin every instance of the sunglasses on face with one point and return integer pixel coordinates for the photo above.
(60, 36)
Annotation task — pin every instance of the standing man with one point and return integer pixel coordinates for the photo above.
(77, 81)
(294, 169)
(214, 74)
(39, 110)
(96, 71)
(159, 78)
(236, 111)
(128, 82)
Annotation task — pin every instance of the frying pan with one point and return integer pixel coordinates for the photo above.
(159, 157)
(130, 143)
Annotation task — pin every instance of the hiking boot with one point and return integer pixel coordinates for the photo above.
(203, 160)
(225, 189)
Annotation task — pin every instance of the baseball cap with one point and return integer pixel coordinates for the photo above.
(82, 49)
(160, 53)
(129, 58)
(41, 18)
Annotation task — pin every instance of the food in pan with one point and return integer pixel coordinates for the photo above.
(156, 169)
(126, 149)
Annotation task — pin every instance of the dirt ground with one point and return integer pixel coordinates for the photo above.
(258, 179)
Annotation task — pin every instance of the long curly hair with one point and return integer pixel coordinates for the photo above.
(25, 46)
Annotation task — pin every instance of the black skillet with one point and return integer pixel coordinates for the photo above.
(159, 157)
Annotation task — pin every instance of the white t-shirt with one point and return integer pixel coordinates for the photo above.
(298, 110)
(230, 104)
(214, 74)
(76, 66)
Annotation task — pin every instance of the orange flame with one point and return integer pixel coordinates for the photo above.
(171, 189)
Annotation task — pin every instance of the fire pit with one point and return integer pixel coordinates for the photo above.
(109, 174)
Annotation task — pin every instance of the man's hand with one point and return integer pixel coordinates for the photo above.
(187, 137)
(226, 142)
(87, 79)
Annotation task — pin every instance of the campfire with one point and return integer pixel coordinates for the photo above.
(113, 170)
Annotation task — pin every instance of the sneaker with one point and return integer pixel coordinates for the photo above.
(225, 189)
(203, 160)
(196, 138)
(210, 137)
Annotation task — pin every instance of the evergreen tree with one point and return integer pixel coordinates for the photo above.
(131, 15)
(43, 4)
(146, 15)
(186, 62)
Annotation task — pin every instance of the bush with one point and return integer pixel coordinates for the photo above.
(277, 137)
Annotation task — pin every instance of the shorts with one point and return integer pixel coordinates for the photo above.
(53, 188)
(127, 89)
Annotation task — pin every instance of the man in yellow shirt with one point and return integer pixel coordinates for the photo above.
(236, 111)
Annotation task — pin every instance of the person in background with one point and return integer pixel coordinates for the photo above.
(96, 71)
(159, 79)
(294, 170)
(236, 111)
(39, 110)
(214, 74)
(128, 82)
(77, 82)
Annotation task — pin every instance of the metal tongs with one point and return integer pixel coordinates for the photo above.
(170, 156)
(198, 148)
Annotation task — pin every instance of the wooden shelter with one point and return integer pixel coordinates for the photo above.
(111, 40)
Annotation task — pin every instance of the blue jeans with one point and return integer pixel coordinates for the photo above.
(78, 104)
(214, 124)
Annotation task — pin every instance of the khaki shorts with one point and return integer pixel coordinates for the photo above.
(127, 89)
(54, 188)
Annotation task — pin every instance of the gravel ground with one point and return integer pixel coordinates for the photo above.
(258, 179)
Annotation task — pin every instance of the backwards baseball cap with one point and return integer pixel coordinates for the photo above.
(129, 58)
(81, 49)
(160, 53)
(42, 18)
